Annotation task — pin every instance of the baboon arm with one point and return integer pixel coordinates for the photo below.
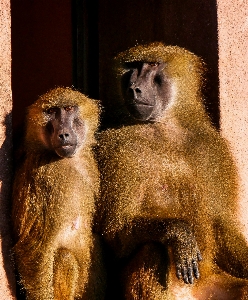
(174, 233)
(185, 250)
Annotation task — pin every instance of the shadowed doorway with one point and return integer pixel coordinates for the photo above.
(102, 28)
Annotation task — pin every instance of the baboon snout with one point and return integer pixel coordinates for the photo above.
(64, 136)
(134, 92)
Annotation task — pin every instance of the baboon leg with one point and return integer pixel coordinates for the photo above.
(65, 275)
(96, 286)
(232, 254)
(146, 275)
(36, 272)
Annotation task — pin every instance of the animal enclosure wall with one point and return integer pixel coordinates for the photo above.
(233, 61)
(7, 285)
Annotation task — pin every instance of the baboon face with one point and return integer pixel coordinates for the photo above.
(64, 131)
(146, 89)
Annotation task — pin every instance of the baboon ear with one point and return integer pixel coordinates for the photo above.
(161, 65)
(191, 65)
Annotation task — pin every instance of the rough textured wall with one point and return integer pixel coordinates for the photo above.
(6, 270)
(233, 62)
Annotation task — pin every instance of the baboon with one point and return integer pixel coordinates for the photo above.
(55, 188)
(169, 184)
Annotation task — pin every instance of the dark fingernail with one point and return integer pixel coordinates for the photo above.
(179, 275)
(186, 280)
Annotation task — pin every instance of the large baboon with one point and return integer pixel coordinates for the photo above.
(54, 194)
(168, 181)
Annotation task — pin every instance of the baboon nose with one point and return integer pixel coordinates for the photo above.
(64, 136)
(134, 91)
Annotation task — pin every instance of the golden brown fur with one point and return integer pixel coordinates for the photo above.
(56, 254)
(178, 168)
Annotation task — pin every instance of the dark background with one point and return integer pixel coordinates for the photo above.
(41, 50)
(72, 43)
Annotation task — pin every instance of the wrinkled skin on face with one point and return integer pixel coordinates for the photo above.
(146, 89)
(64, 131)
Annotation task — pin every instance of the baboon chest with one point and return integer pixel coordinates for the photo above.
(148, 176)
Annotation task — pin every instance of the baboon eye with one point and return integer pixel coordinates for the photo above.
(158, 80)
(153, 64)
(51, 110)
(68, 108)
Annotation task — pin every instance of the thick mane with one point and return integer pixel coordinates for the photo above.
(158, 52)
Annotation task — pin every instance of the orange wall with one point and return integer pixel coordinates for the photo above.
(233, 63)
(6, 270)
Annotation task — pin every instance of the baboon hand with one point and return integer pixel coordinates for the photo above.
(187, 257)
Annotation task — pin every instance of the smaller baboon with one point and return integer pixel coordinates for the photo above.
(169, 184)
(56, 253)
